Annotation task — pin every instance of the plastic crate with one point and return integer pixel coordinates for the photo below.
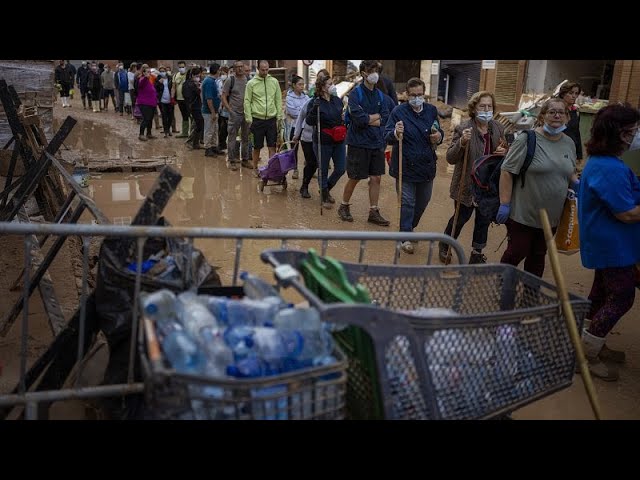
(508, 345)
(310, 393)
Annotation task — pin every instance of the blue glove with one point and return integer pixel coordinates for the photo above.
(575, 186)
(503, 213)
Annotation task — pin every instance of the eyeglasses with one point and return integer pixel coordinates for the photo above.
(484, 108)
(553, 113)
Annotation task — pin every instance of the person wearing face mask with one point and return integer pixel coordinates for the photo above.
(569, 92)
(191, 91)
(178, 82)
(413, 121)
(108, 87)
(551, 173)
(64, 77)
(163, 92)
(223, 115)
(609, 219)
(365, 137)
(147, 100)
(481, 135)
(296, 98)
(328, 107)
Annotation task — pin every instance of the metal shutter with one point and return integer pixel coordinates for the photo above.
(464, 80)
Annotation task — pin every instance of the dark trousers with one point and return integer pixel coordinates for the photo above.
(612, 295)
(335, 152)
(415, 198)
(310, 162)
(528, 244)
(196, 116)
(147, 118)
(480, 228)
(184, 111)
(222, 132)
(166, 109)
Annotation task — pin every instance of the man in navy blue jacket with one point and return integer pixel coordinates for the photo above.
(365, 140)
(416, 122)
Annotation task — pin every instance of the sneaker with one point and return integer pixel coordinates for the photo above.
(330, 199)
(142, 138)
(295, 174)
(165, 136)
(344, 213)
(233, 166)
(477, 258)
(407, 247)
(209, 152)
(151, 137)
(376, 218)
(247, 164)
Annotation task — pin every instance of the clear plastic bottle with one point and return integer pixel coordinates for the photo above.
(507, 354)
(182, 351)
(160, 304)
(257, 288)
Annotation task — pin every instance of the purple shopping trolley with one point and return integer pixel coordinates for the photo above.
(275, 171)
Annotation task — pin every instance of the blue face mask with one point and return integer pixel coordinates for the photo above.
(484, 116)
(554, 131)
(416, 102)
(333, 90)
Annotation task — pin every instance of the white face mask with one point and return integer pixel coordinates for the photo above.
(373, 78)
(635, 143)
(223, 77)
(333, 90)
(181, 69)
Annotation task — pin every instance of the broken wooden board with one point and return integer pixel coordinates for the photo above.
(128, 165)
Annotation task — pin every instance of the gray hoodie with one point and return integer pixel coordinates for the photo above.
(295, 104)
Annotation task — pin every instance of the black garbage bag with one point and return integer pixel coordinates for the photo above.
(114, 296)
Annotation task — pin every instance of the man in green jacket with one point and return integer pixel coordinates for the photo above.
(263, 110)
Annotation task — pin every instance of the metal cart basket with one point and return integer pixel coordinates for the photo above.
(500, 344)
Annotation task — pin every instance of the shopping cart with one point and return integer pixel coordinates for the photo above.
(275, 171)
(316, 393)
(506, 345)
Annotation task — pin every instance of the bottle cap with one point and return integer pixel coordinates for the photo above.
(151, 309)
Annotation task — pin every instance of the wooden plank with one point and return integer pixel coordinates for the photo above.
(45, 286)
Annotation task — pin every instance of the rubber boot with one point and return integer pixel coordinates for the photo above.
(304, 191)
(607, 354)
(184, 133)
(84, 103)
(592, 346)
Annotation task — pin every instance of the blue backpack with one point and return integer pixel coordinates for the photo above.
(486, 177)
(347, 116)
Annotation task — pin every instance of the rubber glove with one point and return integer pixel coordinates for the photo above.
(503, 213)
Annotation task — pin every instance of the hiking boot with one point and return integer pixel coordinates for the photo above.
(442, 253)
(247, 164)
(344, 213)
(407, 247)
(209, 152)
(304, 191)
(295, 174)
(376, 218)
(233, 166)
(477, 257)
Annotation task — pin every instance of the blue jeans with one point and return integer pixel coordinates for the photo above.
(415, 198)
(337, 152)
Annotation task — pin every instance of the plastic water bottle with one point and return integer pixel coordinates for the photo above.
(195, 316)
(270, 403)
(257, 288)
(506, 356)
(182, 351)
(159, 305)
(317, 341)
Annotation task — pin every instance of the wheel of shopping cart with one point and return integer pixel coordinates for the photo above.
(261, 185)
(284, 183)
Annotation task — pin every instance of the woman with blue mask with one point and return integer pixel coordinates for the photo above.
(609, 219)
(481, 135)
(551, 173)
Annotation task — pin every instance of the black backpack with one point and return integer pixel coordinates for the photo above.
(486, 177)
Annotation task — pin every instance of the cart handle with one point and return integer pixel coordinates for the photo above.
(285, 143)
